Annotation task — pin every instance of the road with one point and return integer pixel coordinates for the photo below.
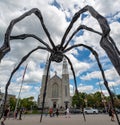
(100, 119)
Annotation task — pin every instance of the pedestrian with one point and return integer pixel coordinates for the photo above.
(5, 114)
(8, 114)
(16, 114)
(111, 114)
(51, 112)
(20, 114)
(67, 113)
(57, 112)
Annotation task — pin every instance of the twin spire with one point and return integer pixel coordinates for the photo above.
(64, 67)
(46, 65)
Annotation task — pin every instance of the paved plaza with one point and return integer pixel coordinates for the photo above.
(100, 119)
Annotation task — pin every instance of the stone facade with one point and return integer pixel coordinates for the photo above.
(8, 98)
(58, 90)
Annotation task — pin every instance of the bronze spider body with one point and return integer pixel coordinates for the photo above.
(58, 52)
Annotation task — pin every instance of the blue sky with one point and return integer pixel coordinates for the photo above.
(57, 16)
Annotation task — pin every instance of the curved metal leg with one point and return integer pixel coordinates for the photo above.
(24, 36)
(106, 85)
(45, 88)
(75, 82)
(112, 52)
(106, 42)
(6, 45)
(101, 20)
(102, 72)
(13, 72)
(77, 30)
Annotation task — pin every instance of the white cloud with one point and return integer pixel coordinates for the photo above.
(115, 28)
(86, 88)
(110, 74)
(92, 75)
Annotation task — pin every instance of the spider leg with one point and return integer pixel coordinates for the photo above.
(102, 72)
(24, 36)
(13, 72)
(112, 41)
(6, 45)
(77, 30)
(106, 84)
(75, 82)
(45, 88)
(106, 42)
(113, 53)
(101, 20)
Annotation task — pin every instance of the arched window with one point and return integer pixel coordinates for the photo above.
(55, 90)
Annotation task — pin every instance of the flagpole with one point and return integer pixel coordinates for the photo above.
(20, 89)
(102, 95)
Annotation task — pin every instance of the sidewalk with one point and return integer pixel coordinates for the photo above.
(61, 120)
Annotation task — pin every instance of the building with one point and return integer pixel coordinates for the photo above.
(58, 90)
(8, 97)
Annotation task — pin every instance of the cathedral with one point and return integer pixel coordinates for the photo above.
(58, 89)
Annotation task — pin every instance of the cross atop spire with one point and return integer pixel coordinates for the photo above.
(55, 72)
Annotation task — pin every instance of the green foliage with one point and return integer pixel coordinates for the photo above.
(12, 103)
(78, 101)
(27, 103)
(92, 100)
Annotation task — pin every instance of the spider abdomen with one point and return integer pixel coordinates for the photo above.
(56, 56)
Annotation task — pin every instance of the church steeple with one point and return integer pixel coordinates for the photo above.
(58, 90)
(40, 97)
(65, 84)
(46, 66)
(0, 90)
(65, 67)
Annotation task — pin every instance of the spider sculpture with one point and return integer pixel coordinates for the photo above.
(58, 52)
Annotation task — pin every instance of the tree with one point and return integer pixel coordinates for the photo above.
(27, 102)
(98, 99)
(12, 103)
(78, 101)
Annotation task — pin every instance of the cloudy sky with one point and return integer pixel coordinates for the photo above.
(57, 16)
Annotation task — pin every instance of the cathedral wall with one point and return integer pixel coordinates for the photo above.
(58, 91)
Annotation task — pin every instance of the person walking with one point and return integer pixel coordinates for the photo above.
(5, 115)
(111, 113)
(20, 114)
(51, 112)
(57, 112)
(8, 114)
(16, 114)
(67, 113)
